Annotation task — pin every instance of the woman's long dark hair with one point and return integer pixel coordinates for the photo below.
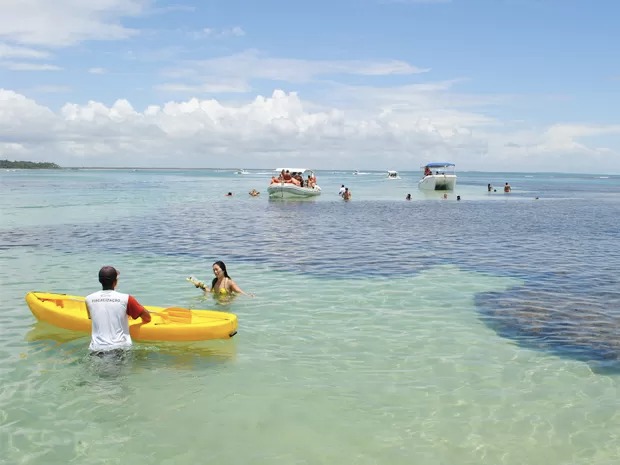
(223, 268)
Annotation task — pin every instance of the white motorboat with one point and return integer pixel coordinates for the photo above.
(282, 189)
(356, 172)
(242, 171)
(438, 176)
(391, 174)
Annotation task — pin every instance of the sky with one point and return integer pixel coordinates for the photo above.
(490, 85)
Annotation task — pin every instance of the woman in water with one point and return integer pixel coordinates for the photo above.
(222, 285)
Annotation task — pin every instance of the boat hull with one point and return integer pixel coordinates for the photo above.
(291, 191)
(438, 182)
(167, 324)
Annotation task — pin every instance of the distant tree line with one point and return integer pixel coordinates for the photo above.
(28, 165)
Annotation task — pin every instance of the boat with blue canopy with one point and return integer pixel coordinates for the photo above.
(438, 176)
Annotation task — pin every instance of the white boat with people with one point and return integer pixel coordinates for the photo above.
(438, 176)
(391, 174)
(242, 171)
(293, 183)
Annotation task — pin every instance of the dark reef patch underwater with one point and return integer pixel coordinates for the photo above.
(569, 325)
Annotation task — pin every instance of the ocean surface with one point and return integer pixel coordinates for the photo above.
(484, 331)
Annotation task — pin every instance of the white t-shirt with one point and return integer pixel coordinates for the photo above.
(109, 311)
(341, 191)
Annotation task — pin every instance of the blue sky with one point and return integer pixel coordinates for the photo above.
(502, 85)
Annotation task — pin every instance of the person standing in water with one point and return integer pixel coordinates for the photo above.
(222, 284)
(109, 311)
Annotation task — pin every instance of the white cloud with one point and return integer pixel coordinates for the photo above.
(23, 121)
(212, 87)
(97, 70)
(23, 66)
(253, 64)
(568, 138)
(559, 147)
(208, 32)
(408, 125)
(407, 105)
(8, 51)
(269, 130)
(240, 69)
(172, 9)
(51, 89)
(191, 133)
(66, 22)
(386, 68)
(562, 131)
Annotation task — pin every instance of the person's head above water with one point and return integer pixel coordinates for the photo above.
(220, 266)
(107, 276)
(219, 270)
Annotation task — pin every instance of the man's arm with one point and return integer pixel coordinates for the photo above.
(135, 310)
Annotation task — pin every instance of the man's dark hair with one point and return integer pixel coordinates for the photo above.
(107, 276)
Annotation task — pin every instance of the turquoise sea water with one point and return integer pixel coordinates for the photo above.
(480, 331)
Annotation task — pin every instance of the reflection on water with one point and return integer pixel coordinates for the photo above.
(42, 331)
(178, 355)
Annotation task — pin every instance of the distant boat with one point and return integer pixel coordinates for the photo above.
(242, 171)
(391, 174)
(356, 172)
(438, 176)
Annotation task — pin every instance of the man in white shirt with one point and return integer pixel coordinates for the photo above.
(109, 311)
(342, 189)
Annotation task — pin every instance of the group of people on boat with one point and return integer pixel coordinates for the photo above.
(429, 172)
(295, 178)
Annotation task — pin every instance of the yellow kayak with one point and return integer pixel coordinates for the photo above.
(167, 324)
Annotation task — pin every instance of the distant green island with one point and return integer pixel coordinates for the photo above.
(28, 165)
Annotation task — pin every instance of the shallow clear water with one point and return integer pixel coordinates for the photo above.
(382, 332)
